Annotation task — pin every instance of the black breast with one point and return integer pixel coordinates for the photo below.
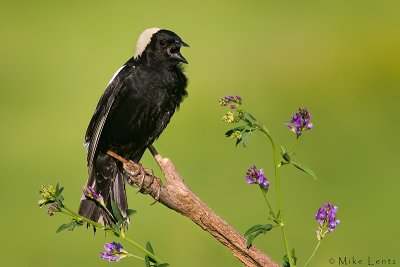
(143, 108)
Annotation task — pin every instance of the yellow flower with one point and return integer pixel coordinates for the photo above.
(48, 194)
(230, 117)
(236, 135)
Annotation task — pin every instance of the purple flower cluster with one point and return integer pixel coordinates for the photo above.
(114, 252)
(254, 176)
(91, 194)
(300, 122)
(326, 218)
(232, 101)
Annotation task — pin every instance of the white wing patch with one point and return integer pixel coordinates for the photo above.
(86, 145)
(144, 40)
(115, 74)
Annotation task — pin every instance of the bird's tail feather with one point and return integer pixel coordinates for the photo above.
(108, 181)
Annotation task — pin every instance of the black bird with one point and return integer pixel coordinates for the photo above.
(135, 108)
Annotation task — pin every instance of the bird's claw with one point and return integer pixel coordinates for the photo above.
(142, 173)
(149, 171)
(157, 197)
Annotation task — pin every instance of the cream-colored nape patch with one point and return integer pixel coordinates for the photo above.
(144, 40)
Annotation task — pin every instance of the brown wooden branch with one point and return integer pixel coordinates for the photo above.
(176, 195)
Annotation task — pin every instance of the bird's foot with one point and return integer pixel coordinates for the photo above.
(137, 178)
(142, 173)
(157, 197)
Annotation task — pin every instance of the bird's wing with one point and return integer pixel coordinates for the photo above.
(100, 115)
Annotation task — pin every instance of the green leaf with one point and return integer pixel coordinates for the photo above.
(257, 227)
(236, 129)
(238, 141)
(130, 212)
(74, 223)
(116, 212)
(58, 197)
(60, 190)
(149, 247)
(245, 138)
(304, 169)
(285, 155)
(250, 239)
(116, 229)
(286, 262)
(147, 261)
(255, 231)
(294, 257)
(63, 227)
(163, 265)
(249, 118)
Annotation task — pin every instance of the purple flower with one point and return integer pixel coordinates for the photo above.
(254, 176)
(91, 194)
(232, 101)
(114, 252)
(326, 218)
(300, 122)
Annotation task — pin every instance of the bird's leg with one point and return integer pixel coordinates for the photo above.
(138, 172)
(134, 173)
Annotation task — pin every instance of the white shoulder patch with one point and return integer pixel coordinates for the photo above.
(144, 40)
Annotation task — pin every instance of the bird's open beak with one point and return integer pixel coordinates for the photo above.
(175, 52)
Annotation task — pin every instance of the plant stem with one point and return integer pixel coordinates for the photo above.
(292, 145)
(120, 235)
(278, 192)
(269, 205)
(109, 213)
(142, 249)
(134, 256)
(96, 224)
(312, 255)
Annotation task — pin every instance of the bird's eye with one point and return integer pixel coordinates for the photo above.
(162, 42)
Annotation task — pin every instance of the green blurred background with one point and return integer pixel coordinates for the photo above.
(341, 59)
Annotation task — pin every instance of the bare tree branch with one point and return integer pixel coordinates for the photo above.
(176, 195)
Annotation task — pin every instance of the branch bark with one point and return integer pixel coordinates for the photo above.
(176, 195)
